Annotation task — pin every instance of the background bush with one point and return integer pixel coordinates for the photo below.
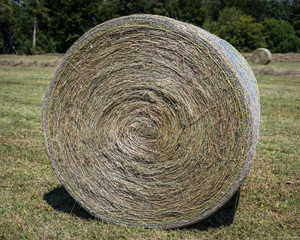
(247, 25)
(280, 36)
(241, 30)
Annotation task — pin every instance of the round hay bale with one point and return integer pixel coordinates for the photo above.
(261, 56)
(152, 122)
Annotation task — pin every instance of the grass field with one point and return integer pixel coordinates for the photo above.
(34, 205)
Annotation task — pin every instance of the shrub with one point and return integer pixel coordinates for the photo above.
(241, 30)
(280, 36)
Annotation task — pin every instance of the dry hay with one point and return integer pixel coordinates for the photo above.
(269, 71)
(278, 57)
(261, 56)
(152, 122)
(286, 57)
(28, 63)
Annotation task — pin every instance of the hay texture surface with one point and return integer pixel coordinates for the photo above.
(261, 56)
(152, 122)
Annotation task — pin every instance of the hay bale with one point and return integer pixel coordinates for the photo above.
(261, 56)
(152, 122)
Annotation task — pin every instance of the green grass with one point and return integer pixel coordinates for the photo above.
(33, 205)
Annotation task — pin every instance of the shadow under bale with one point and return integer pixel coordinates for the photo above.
(60, 200)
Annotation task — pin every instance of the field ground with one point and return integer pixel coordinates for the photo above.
(33, 205)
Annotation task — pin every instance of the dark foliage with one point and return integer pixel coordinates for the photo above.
(280, 36)
(61, 22)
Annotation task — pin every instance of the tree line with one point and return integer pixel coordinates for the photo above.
(52, 26)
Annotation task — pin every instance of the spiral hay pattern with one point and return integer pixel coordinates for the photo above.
(152, 122)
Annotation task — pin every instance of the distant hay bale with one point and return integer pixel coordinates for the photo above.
(261, 56)
(151, 122)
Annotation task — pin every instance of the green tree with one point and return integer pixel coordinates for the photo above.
(259, 9)
(30, 27)
(71, 19)
(190, 11)
(158, 7)
(127, 7)
(108, 10)
(228, 15)
(24, 29)
(255, 8)
(276, 9)
(212, 9)
(241, 30)
(40, 15)
(295, 16)
(280, 36)
(6, 21)
(22, 26)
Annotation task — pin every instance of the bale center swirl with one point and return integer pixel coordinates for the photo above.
(146, 126)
